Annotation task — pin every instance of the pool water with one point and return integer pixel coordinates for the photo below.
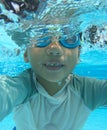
(93, 62)
(97, 120)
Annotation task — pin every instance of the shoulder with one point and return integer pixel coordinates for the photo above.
(93, 91)
(24, 81)
(84, 81)
(81, 81)
(88, 83)
(26, 77)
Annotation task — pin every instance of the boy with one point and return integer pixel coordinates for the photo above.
(48, 96)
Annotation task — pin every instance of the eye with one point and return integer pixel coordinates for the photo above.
(71, 40)
(42, 42)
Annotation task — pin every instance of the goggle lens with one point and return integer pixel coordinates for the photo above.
(68, 42)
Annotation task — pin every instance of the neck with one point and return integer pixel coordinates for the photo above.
(51, 87)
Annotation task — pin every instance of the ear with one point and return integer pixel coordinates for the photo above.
(79, 51)
(26, 56)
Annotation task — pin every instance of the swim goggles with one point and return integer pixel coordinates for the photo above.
(68, 42)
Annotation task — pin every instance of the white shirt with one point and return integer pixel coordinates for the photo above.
(35, 109)
(59, 112)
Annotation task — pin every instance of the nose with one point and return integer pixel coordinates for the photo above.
(54, 49)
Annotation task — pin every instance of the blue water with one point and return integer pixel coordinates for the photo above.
(93, 63)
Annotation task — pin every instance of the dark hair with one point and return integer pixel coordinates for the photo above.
(24, 6)
(20, 38)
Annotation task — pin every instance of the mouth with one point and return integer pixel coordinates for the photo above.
(53, 66)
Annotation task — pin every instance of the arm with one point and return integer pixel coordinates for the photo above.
(13, 91)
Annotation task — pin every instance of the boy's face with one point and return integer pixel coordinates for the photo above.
(53, 62)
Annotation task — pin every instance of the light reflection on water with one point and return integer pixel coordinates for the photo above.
(78, 14)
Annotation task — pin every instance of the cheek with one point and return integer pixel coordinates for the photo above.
(73, 54)
(33, 59)
(34, 53)
(72, 58)
(75, 57)
(36, 57)
(35, 63)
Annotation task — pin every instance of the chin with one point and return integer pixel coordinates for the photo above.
(54, 79)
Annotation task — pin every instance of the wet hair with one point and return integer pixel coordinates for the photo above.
(5, 18)
(19, 8)
(20, 38)
(28, 5)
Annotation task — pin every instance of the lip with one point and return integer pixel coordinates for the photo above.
(53, 65)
